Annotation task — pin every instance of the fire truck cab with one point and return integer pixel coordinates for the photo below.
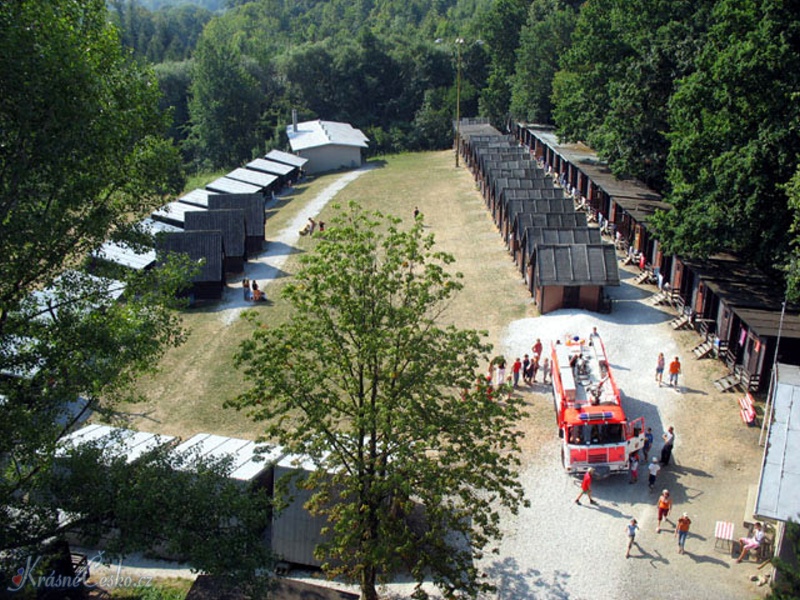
(593, 427)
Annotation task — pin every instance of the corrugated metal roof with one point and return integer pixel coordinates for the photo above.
(251, 204)
(230, 222)
(286, 158)
(197, 245)
(197, 197)
(125, 256)
(114, 441)
(174, 213)
(779, 486)
(270, 166)
(247, 462)
(313, 134)
(226, 185)
(258, 178)
(576, 264)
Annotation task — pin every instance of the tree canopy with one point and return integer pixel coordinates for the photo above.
(414, 458)
(82, 155)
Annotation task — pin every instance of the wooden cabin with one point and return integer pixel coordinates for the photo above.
(574, 276)
(204, 248)
(254, 221)
(231, 224)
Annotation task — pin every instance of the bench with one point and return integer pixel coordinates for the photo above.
(748, 410)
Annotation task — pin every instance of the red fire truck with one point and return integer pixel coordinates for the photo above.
(591, 422)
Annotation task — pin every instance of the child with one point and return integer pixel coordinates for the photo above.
(631, 528)
(634, 468)
(546, 371)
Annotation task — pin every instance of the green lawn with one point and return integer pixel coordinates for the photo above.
(195, 380)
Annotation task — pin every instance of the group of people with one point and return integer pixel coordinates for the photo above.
(311, 226)
(252, 292)
(674, 370)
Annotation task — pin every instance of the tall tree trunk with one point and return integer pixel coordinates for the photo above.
(368, 591)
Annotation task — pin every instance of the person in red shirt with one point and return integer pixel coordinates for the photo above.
(586, 486)
(515, 370)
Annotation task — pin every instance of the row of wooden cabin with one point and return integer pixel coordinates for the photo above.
(563, 260)
(739, 312)
(219, 227)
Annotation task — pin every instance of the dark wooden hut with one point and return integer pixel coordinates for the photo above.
(525, 254)
(203, 248)
(229, 222)
(254, 221)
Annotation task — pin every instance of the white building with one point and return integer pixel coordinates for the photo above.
(327, 145)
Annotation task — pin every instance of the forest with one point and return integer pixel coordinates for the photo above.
(697, 99)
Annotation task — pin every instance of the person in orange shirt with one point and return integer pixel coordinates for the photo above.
(682, 530)
(674, 371)
(586, 486)
(664, 506)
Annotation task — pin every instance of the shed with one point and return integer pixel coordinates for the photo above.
(532, 237)
(287, 158)
(204, 248)
(328, 145)
(226, 185)
(574, 276)
(229, 222)
(124, 255)
(249, 463)
(296, 532)
(285, 174)
(266, 181)
(174, 213)
(253, 207)
(778, 495)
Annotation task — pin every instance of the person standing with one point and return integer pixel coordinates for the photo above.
(634, 468)
(674, 371)
(586, 486)
(526, 369)
(534, 367)
(682, 530)
(537, 348)
(669, 442)
(246, 289)
(652, 472)
(664, 506)
(416, 212)
(515, 370)
(648, 442)
(631, 529)
(660, 363)
(501, 372)
(546, 371)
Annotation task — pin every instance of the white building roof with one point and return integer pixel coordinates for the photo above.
(197, 197)
(253, 177)
(174, 212)
(114, 441)
(313, 134)
(246, 461)
(226, 185)
(270, 166)
(779, 488)
(286, 158)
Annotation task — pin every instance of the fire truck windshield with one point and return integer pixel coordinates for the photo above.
(596, 434)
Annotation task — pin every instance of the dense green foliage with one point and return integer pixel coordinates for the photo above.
(82, 152)
(366, 381)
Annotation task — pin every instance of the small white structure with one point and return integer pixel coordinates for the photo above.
(115, 442)
(248, 465)
(327, 145)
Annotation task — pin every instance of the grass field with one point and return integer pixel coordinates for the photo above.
(195, 380)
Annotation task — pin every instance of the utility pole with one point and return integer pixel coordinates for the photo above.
(459, 43)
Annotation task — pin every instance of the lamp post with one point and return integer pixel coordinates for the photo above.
(459, 42)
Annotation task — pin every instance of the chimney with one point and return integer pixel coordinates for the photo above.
(294, 119)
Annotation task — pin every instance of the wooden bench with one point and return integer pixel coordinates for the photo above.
(748, 410)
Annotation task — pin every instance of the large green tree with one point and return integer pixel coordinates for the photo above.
(543, 40)
(734, 140)
(82, 154)
(414, 460)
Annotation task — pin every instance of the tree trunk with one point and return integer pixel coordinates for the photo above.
(368, 591)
